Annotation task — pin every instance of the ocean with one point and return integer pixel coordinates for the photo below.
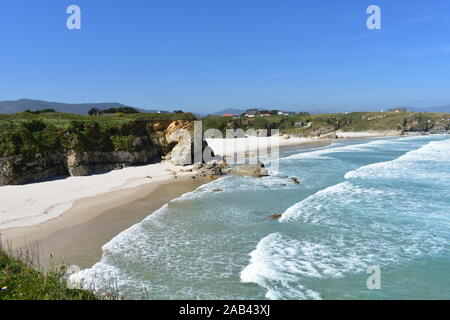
(382, 203)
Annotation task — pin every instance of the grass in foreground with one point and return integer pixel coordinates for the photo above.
(20, 281)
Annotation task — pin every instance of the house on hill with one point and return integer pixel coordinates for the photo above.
(398, 110)
(95, 112)
(251, 113)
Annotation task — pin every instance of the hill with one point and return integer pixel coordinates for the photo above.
(440, 109)
(236, 112)
(15, 106)
(316, 125)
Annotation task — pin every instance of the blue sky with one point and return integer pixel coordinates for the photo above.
(204, 56)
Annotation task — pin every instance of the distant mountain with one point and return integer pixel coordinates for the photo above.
(77, 108)
(441, 109)
(236, 112)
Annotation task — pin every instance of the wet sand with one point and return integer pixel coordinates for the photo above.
(77, 237)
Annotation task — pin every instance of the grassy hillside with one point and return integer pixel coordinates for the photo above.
(356, 121)
(28, 134)
(21, 105)
(20, 281)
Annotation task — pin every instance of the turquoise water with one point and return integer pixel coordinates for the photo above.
(383, 202)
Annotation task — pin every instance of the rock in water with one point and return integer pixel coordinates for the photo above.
(295, 180)
(275, 216)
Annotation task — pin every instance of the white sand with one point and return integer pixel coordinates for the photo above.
(364, 134)
(226, 147)
(31, 204)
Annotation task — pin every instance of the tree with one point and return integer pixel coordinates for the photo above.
(40, 111)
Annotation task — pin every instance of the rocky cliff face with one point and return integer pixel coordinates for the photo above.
(18, 170)
(162, 141)
(410, 124)
(419, 124)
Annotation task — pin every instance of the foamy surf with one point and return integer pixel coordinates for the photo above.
(349, 246)
(434, 156)
(343, 217)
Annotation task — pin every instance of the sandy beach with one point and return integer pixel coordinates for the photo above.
(226, 147)
(365, 134)
(31, 204)
(78, 235)
(250, 144)
(73, 217)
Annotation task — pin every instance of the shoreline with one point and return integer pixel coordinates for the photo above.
(35, 203)
(78, 234)
(248, 145)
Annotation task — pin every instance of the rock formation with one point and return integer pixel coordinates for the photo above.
(161, 140)
(250, 170)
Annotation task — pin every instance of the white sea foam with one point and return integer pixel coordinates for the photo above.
(104, 273)
(366, 225)
(280, 264)
(276, 261)
(344, 193)
(433, 155)
(385, 143)
(326, 152)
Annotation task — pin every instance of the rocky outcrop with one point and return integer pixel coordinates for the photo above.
(419, 124)
(441, 126)
(250, 170)
(163, 141)
(212, 169)
(180, 135)
(294, 180)
(184, 152)
(331, 135)
(86, 163)
(321, 132)
(215, 169)
(18, 170)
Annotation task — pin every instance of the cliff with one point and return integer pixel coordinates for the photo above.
(382, 123)
(32, 150)
(38, 147)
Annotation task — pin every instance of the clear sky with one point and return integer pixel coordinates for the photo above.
(206, 55)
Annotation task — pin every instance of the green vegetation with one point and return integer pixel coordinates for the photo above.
(20, 281)
(120, 110)
(40, 111)
(30, 133)
(305, 124)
